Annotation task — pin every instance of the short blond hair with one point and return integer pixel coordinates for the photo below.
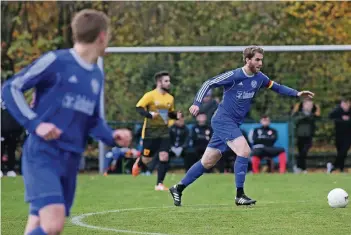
(250, 52)
(87, 24)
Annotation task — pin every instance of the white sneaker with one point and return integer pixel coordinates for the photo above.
(297, 170)
(161, 187)
(2, 174)
(329, 167)
(11, 174)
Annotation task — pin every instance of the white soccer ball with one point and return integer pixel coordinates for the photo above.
(338, 198)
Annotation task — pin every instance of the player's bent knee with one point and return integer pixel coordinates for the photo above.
(244, 152)
(52, 218)
(208, 163)
(210, 158)
(53, 227)
(240, 147)
(163, 156)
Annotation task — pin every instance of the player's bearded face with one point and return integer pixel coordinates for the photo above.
(255, 64)
(166, 83)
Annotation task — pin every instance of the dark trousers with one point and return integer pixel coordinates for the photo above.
(226, 163)
(192, 157)
(303, 145)
(8, 147)
(342, 147)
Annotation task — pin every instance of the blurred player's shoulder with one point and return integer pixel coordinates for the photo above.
(62, 55)
(70, 58)
(68, 55)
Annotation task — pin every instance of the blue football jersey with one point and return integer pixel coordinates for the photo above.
(68, 94)
(239, 90)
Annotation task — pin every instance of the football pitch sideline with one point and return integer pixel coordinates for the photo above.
(121, 204)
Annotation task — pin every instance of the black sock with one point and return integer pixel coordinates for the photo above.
(161, 172)
(142, 165)
(239, 192)
(180, 187)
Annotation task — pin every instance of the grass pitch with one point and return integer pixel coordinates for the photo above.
(287, 204)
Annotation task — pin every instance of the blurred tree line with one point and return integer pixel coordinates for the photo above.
(30, 28)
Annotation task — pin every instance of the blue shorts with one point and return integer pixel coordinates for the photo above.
(49, 175)
(224, 130)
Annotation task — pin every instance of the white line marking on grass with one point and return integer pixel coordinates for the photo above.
(78, 220)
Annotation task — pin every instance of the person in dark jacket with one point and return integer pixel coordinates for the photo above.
(200, 136)
(179, 137)
(305, 115)
(342, 119)
(209, 106)
(11, 132)
(263, 139)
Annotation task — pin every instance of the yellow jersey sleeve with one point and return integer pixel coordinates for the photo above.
(145, 101)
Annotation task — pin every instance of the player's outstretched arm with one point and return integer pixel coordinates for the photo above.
(40, 73)
(285, 90)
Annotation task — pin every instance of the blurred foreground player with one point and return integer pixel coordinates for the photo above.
(157, 106)
(240, 86)
(66, 111)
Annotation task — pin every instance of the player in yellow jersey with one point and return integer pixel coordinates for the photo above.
(157, 106)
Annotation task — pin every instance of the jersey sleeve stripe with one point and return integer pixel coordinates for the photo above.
(208, 83)
(17, 84)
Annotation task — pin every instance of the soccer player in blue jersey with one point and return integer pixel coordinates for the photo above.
(240, 86)
(68, 86)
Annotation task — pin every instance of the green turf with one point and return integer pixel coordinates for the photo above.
(287, 204)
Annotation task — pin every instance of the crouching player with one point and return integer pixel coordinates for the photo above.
(116, 153)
